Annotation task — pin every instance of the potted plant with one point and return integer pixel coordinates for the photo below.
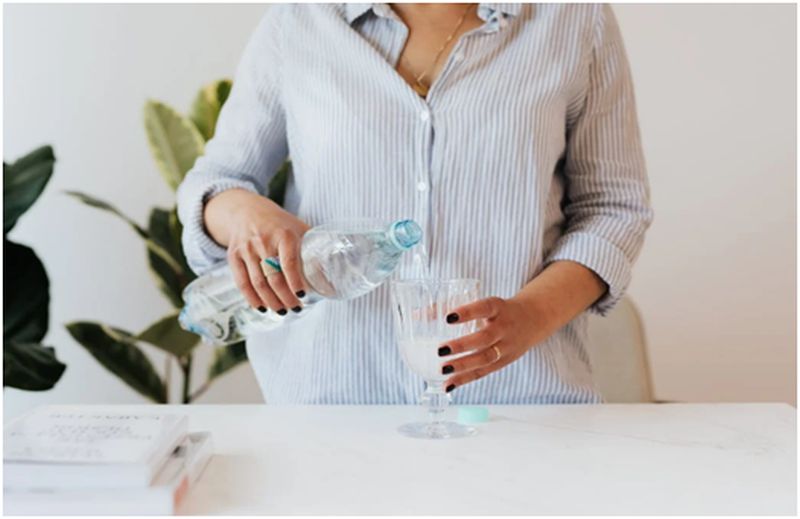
(176, 142)
(27, 363)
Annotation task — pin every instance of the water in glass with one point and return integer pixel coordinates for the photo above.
(420, 308)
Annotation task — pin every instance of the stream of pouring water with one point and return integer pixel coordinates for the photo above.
(423, 272)
(420, 262)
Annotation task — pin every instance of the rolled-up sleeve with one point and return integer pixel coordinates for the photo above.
(606, 207)
(248, 146)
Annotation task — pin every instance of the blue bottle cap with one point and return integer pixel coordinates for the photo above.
(470, 415)
(405, 234)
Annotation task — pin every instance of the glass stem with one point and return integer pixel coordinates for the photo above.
(436, 399)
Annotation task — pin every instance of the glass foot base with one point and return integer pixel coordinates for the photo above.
(438, 431)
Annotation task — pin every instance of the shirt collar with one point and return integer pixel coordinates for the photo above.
(485, 11)
(353, 11)
(503, 9)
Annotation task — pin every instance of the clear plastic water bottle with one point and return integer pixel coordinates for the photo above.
(341, 260)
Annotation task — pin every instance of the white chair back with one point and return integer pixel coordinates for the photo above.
(618, 355)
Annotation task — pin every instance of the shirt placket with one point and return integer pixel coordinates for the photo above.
(422, 179)
(423, 171)
(424, 176)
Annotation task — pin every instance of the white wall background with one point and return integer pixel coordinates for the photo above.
(716, 88)
(716, 93)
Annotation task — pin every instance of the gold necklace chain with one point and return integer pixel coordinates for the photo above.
(420, 87)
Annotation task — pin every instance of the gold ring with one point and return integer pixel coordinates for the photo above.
(497, 351)
(270, 267)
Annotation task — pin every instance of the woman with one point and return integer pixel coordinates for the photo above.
(508, 131)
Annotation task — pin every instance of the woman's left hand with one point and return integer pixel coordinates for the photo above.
(510, 328)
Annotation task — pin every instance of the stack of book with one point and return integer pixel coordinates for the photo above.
(75, 461)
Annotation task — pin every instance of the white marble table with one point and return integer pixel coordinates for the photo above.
(605, 459)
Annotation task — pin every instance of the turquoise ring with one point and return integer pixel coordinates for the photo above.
(271, 266)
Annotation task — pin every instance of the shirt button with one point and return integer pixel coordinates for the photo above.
(458, 57)
(421, 186)
(424, 115)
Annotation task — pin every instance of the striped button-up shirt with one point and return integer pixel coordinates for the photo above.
(525, 151)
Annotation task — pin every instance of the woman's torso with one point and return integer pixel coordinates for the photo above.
(476, 164)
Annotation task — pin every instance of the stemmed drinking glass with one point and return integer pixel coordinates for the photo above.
(420, 308)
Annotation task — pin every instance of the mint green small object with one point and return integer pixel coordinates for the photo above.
(471, 415)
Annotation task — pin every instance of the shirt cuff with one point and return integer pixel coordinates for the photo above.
(602, 257)
(202, 252)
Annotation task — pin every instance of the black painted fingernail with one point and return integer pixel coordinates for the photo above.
(447, 370)
(262, 309)
(451, 318)
(282, 311)
(444, 351)
(300, 293)
(297, 309)
(450, 388)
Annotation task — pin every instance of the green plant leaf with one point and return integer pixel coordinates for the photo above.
(171, 281)
(224, 87)
(23, 182)
(151, 244)
(159, 227)
(176, 232)
(165, 229)
(30, 366)
(116, 350)
(105, 206)
(174, 141)
(167, 334)
(26, 294)
(207, 105)
(26, 290)
(277, 186)
(227, 358)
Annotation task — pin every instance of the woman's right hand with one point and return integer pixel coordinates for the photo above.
(254, 228)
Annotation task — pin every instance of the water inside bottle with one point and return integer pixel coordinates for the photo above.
(341, 260)
(344, 264)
